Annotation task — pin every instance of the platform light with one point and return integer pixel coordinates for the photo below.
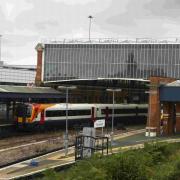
(90, 21)
(67, 88)
(113, 90)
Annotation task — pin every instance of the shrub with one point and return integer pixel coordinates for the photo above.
(156, 161)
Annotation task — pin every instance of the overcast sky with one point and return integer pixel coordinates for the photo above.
(24, 23)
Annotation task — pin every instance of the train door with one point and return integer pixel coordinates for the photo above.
(98, 112)
(42, 119)
(174, 118)
(93, 115)
(177, 118)
(168, 119)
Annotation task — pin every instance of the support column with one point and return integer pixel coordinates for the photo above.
(38, 79)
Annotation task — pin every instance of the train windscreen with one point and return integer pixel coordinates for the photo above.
(23, 110)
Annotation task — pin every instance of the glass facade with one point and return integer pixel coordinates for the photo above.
(98, 60)
(17, 75)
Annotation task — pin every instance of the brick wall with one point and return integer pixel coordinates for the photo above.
(38, 79)
(154, 103)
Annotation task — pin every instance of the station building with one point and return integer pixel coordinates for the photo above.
(17, 74)
(137, 66)
(13, 75)
(17, 85)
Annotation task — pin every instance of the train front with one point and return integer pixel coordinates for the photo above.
(23, 113)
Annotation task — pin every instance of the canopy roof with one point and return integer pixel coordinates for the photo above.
(25, 93)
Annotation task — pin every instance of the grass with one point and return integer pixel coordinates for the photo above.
(156, 161)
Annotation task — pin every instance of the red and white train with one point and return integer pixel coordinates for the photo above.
(42, 114)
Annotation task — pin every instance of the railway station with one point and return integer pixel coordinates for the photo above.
(104, 71)
(90, 89)
(79, 84)
(141, 68)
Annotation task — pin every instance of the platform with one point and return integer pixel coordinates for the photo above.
(56, 159)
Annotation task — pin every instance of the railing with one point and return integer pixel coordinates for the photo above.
(173, 40)
(86, 146)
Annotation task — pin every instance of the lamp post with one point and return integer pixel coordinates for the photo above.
(90, 18)
(67, 88)
(112, 125)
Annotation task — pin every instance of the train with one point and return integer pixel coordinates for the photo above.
(28, 115)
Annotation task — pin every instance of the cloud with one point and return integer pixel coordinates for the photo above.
(140, 18)
(73, 2)
(12, 40)
(11, 8)
(164, 8)
(25, 22)
(5, 23)
(46, 24)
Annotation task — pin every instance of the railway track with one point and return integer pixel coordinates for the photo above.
(21, 138)
(21, 148)
(53, 160)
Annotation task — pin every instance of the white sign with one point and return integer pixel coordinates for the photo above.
(99, 123)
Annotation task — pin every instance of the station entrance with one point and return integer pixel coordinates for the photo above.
(164, 107)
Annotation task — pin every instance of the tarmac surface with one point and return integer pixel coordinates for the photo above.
(132, 139)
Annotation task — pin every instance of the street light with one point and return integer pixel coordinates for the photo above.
(67, 88)
(90, 18)
(113, 91)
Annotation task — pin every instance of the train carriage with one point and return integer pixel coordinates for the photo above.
(29, 115)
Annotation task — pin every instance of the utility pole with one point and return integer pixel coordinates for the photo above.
(90, 18)
(66, 138)
(112, 124)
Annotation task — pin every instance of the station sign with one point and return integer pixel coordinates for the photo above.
(99, 123)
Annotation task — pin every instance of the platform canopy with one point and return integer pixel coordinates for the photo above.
(25, 93)
(170, 92)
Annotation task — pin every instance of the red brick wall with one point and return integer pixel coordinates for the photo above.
(154, 103)
(38, 79)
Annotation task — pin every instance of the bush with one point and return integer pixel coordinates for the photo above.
(157, 161)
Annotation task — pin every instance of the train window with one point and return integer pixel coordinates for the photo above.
(122, 111)
(23, 110)
(79, 112)
(103, 111)
(119, 111)
(28, 111)
(142, 110)
(57, 113)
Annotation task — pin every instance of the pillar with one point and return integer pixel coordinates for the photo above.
(154, 110)
(39, 48)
